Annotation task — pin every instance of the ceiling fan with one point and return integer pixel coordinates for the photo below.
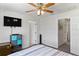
(41, 8)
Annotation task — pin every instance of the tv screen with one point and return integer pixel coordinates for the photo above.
(16, 39)
(11, 21)
(19, 42)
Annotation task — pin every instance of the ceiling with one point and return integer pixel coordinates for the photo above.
(22, 7)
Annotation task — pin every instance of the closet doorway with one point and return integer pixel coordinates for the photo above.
(64, 34)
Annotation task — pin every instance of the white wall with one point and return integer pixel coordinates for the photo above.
(74, 30)
(49, 29)
(5, 32)
(75, 35)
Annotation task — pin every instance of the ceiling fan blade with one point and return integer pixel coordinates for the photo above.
(49, 4)
(32, 4)
(49, 11)
(30, 11)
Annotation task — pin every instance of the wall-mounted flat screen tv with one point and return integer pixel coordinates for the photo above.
(11, 21)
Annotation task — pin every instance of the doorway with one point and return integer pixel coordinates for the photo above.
(64, 35)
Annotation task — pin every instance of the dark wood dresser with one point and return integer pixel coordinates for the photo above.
(7, 49)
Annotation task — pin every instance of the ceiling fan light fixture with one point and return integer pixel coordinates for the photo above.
(42, 7)
(40, 12)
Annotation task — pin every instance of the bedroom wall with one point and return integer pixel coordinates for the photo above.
(49, 29)
(74, 30)
(5, 32)
(74, 35)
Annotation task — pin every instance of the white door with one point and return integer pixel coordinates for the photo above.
(33, 33)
